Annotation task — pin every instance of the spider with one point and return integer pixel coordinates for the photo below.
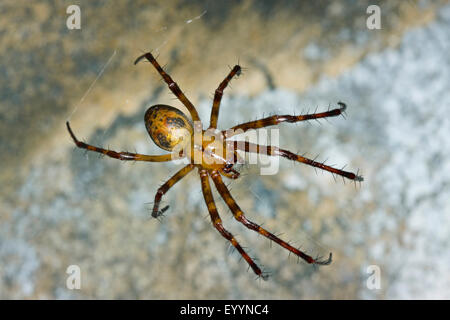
(170, 129)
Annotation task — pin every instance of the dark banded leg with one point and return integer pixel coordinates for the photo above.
(274, 120)
(275, 151)
(172, 85)
(165, 187)
(127, 156)
(239, 216)
(217, 222)
(218, 95)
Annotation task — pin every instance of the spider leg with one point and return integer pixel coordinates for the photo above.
(230, 174)
(228, 170)
(127, 156)
(276, 119)
(275, 151)
(218, 95)
(217, 222)
(239, 216)
(172, 85)
(166, 186)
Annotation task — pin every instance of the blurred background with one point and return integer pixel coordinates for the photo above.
(62, 207)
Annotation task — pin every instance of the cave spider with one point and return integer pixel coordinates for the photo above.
(169, 128)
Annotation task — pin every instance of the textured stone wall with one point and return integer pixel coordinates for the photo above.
(61, 207)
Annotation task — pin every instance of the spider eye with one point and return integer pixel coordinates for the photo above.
(167, 126)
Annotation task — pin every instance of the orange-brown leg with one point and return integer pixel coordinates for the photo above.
(230, 173)
(127, 156)
(217, 222)
(275, 151)
(166, 186)
(239, 216)
(218, 95)
(274, 120)
(172, 85)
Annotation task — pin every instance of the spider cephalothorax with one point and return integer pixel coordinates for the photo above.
(214, 155)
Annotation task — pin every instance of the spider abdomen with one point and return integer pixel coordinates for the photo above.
(167, 126)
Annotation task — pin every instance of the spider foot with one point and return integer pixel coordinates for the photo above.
(264, 275)
(160, 213)
(321, 262)
(358, 177)
(145, 55)
(342, 105)
(239, 70)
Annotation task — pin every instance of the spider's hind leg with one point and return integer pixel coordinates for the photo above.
(173, 86)
(239, 215)
(217, 222)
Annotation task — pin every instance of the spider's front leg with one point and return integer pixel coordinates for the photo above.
(217, 222)
(126, 156)
(276, 119)
(275, 151)
(239, 216)
(166, 186)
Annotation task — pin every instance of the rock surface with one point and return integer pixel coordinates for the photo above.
(62, 207)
